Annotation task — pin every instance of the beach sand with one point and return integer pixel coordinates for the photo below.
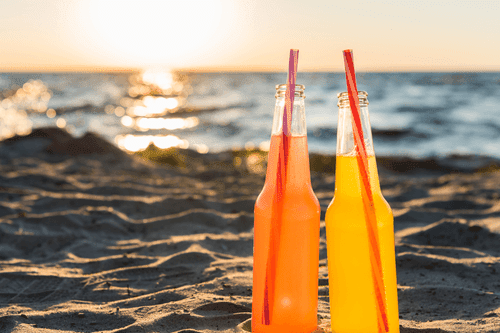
(95, 240)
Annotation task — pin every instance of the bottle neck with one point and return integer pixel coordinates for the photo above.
(297, 157)
(347, 176)
(298, 125)
(345, 134)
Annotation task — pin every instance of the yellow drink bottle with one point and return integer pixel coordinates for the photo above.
(353, 302)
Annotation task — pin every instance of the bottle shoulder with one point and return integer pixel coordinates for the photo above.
(291, 199)
(346, 207)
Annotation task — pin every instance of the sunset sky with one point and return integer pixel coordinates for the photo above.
(437, 35)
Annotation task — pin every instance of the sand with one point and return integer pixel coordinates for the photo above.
(95, 240)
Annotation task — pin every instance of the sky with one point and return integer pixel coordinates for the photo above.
(245, 35)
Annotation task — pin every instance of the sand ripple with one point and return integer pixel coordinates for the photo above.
(110, 243)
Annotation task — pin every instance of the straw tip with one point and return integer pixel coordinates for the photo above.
(347, 51)
(294, 53)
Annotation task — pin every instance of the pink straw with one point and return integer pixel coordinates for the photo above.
(290, 91)
(367, 195)
(276, 219)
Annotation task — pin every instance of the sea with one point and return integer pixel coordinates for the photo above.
(418, 115)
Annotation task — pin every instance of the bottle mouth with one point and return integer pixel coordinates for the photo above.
(344, 99)
(281, 90)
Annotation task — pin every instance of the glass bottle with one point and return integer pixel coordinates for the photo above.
(286, 231)
(353, 302)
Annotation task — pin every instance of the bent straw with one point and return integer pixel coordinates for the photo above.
(367, 195)
(276, 218)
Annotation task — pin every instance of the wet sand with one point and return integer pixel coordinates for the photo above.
(95, 240)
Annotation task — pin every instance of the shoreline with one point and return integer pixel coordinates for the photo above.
(63, 143)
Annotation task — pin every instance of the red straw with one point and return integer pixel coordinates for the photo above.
(276, 218)
(369, 208)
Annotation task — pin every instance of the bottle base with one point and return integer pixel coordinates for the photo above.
(246, 327)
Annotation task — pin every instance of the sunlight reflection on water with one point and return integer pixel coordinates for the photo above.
(166, 123)
(153, 96)
(416, 114)
(134, 143)
(142, 114)
(17, 102)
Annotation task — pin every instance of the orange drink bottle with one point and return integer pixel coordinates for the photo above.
(353, 299)
(286, 231)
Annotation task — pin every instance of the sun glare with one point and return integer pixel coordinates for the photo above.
(154, 32)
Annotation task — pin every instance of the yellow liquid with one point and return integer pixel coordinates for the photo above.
(352, 298)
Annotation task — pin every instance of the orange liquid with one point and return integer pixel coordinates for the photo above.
(294, 303)
(352, 299)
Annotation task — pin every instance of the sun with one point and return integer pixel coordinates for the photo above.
(153, 32)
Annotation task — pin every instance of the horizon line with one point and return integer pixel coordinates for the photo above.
(233, 69)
